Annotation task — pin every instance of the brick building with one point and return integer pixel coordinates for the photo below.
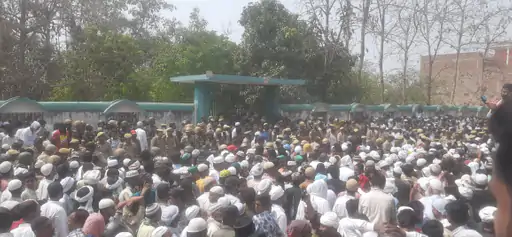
(478, 75)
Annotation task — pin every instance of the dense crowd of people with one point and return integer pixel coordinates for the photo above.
(387, 176)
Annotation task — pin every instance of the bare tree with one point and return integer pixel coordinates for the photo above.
(492, 32)
(430, 19)
(332, 23)
(382, 27)
(404, 38)
(364, 23)
(464, 22)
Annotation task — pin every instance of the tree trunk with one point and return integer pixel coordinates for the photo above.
(381, 54)
(366, 10)
(404, 77)
(22, 49)
(455, 77)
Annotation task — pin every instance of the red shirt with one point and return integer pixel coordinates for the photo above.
(15, 224)
(363, 180)
(58, 141)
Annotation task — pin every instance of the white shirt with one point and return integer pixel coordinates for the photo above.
(23, 230)
(56, 213)
(7, 140)
(345, 173)
(463, 231)
(42, 189)
(278, 213)
(427, 203)
(157, 180)
(414, 234)
(6, 195)
(378, 206)
(214, 174)
(314, 164)
(232, 199)
(27, 136)
(350, 227)
(203, 201)
(184, 232)
(340, 206)
(143, 139)
(331, 198)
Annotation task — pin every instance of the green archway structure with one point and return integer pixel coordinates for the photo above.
(205, 84)
(20, 105)
(123, 106)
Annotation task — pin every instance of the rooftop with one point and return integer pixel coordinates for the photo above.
(235, 79)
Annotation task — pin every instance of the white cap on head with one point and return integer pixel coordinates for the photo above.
(276, 192)
(92, 176)
(46, 169)
(268, 165)
(106, 203)
(132, 173)
(14, 184)
(192, 212)
(257, 170)
(67, 183)
(159, 231)
(480, 179)
(74, 164)
(230, 158)
(421, 162)
(344, 146)
(244, 164)
(329, 219)
(196, 225)
(112, 163)
(152, 209)
(217, 189)
(264, 186)
(403, 208)
(232, 170)
(218, 160)
(397, 170)
(124, 234)
(20, 171)
(221, 203)
(202, 167)
(126, 162)
(5, 167)
(486, 214)
(466, 192)
(169, 213)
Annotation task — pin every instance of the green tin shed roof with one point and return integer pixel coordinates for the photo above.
(356, 107)
(116, 106)
(20, 105)
(375, 108)
(404, 108)
(154, 107)
(345, 108)
(236, 79)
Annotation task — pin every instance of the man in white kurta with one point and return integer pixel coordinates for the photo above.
(54, 211)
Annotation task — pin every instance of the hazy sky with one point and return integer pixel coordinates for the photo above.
(223, 16)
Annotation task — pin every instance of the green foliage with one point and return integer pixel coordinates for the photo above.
(126, 49)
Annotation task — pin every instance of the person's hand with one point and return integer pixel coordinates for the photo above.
(493, 104)
(145, 188)
(393, 230)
